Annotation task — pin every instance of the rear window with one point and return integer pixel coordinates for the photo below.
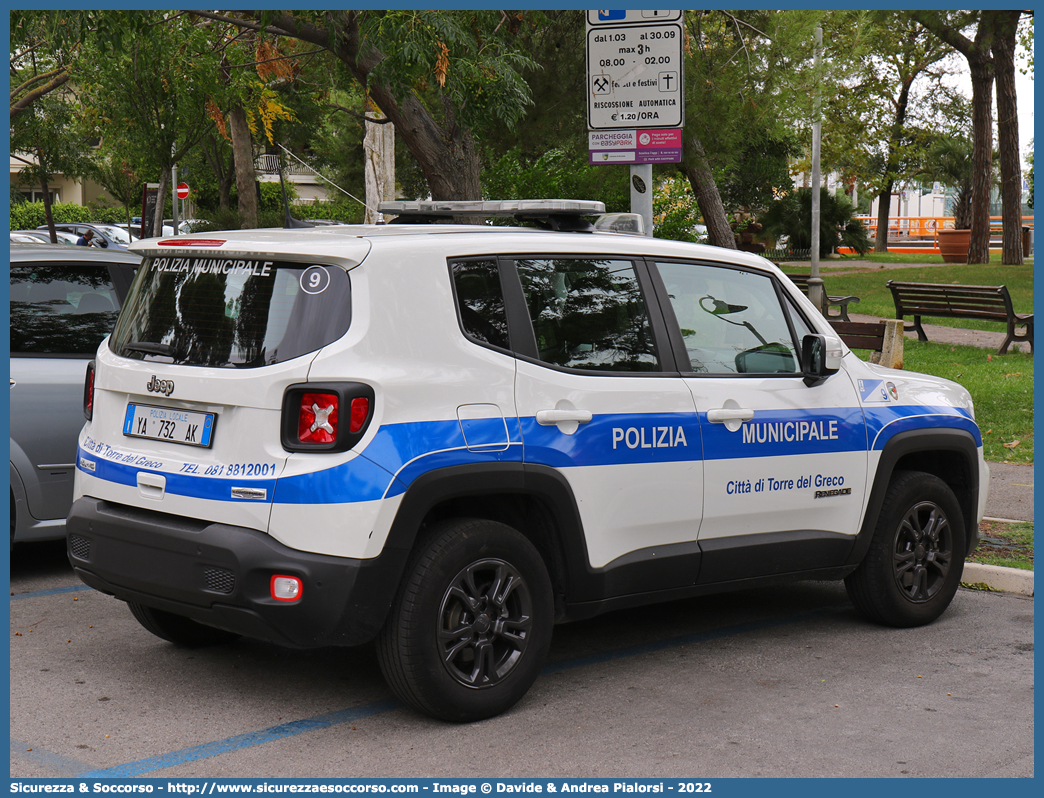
(228, 312)
(60, 309)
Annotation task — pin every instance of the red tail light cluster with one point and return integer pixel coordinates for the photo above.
(318, 418)
(331, 417)
(88, 392)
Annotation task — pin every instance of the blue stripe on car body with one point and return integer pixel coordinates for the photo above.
(400, 453)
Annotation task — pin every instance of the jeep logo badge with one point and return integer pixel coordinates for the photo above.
(156, 385)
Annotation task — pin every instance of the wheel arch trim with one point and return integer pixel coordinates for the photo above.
(913, 442)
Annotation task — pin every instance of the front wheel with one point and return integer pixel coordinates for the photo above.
(470, 627)
(916, 557)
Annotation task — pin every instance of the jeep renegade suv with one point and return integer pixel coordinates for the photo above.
(450, 437)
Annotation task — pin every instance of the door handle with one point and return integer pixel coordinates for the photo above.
(549, 417)
(724, 414)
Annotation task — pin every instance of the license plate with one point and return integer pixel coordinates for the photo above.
(169, 424)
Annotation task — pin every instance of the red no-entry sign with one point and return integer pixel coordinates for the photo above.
(183, 190)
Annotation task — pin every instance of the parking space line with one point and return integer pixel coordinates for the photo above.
(51, 592)
(60, 765)
(247, 740)
(340, 717)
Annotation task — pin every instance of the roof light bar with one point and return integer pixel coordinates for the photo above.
(518, 208)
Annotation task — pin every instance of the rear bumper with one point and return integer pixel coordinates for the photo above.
(220, 575)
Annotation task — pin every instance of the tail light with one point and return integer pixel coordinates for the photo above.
(88, 392)
(326, 417)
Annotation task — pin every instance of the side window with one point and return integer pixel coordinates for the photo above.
(480, 301)
(731, 320)
(60, 310)
(588, 314)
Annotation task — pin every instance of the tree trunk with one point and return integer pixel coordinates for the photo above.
(161, 199)
(243, 154)
(698, 171)
(1008, 137)
(980, 63)
(48, 214)
(379, 154)
(891, 166)
(982, 160)
(223, 172)
(884, 209)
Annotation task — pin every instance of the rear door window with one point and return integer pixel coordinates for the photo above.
(224, 312)
(61, 309)
(588, 313)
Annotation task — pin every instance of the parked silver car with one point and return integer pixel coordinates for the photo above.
(64, 301)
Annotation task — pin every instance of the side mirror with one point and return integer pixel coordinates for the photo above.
(820, 357)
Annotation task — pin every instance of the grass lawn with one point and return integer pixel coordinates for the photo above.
(1001, 387)
(1009, 545)
(876, 300)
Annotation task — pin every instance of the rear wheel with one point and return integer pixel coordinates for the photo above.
(471, 625)
(178, 629)
(914, 564)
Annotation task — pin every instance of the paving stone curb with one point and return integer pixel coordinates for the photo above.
(996, 577)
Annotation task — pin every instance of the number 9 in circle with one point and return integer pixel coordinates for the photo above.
(315, 280)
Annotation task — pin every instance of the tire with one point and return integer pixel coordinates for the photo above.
(178, 629)
(471, 624)
(913, 567)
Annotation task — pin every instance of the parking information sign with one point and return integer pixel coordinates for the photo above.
(634, 70)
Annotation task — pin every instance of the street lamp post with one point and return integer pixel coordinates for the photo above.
(815, 282)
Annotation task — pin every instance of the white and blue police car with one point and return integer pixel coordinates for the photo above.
(449, 437)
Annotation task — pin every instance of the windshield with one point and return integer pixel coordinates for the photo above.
(113, 233)
(231, 313)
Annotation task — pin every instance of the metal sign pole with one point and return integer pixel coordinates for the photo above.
(642, 195)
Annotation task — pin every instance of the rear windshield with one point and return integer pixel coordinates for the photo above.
(60, 309)
(229, 312)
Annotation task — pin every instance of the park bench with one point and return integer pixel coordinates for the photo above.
(884, 338)
(987, 302)
(840, 302)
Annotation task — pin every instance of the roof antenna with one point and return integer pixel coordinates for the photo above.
(289, 221)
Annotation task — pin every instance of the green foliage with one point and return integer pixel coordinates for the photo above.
(675, 213)
(30, 215)
(468, 59)
(555, 175)
(48, 130)
(759, 171)
(1001, 387)
(791, 215)
(949, 161)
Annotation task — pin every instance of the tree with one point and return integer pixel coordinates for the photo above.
(991, 28)
(42, 47)
(791, 216)
(882, 113)
(44, 130)
(748, 83)
(949, 161)
(148, 76)
(115, 173)
(440, 76)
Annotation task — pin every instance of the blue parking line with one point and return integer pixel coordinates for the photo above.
(51, 592)
(63, 766)
(247, 740)
(373, 709)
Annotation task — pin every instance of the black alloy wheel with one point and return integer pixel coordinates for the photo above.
(485, 622)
